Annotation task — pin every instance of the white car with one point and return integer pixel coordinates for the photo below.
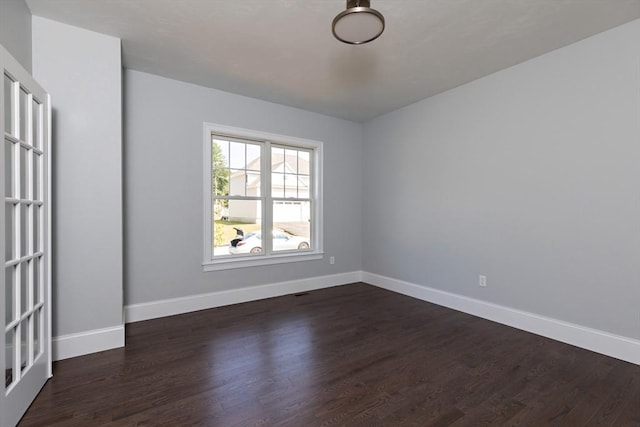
(252, 243)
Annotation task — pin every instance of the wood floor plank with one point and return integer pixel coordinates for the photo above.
(350, 355)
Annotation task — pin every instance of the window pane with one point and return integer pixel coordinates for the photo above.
(220, 182)
(221, 209)
(243, 215)
(9, 342)
(291, 157)
(291, 225)
(8, 93)
(277, 185)
(8, 168)
(253, 157)
(303, 186)
(290, 169)
(24, 173)
(277, 159)
(237, 155)
(237, 183)
(253, 184)
(220, 167)
(24, 115)
(9, 234)
(290, 185)
(304, 162)
(220, 153)
(8, 294)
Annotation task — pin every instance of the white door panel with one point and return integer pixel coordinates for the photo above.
(25, 349)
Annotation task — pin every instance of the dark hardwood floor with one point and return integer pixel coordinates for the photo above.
(346, 356)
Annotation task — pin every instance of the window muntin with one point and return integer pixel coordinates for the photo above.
(262, 186)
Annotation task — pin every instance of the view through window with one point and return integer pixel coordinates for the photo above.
(260, 188)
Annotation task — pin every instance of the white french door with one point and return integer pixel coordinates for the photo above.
(25, 356)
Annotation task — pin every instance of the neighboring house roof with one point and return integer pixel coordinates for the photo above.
(281, 164)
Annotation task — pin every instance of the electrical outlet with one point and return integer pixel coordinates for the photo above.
(482, 281)
(332, 260)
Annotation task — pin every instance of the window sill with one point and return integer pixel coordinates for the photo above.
(231, 263)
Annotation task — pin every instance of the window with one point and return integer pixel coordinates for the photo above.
(258, 185)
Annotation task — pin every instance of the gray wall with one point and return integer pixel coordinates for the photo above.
(82, 71)
(530, 176)
(163, 181)
(15, 30)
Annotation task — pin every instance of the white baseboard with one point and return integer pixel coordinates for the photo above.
(620, 347)
(170, 307)
(72, 345)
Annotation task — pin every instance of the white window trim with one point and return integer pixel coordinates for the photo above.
(225, 263)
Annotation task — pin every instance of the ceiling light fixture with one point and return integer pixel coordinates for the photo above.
(358, 24)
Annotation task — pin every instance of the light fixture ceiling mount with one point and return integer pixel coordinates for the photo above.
(358, 24)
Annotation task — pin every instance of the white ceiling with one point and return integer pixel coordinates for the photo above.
(283, 51)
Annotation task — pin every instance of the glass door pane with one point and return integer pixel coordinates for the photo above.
(24, 230)
(37, 171)
(37, 224)
(24, 344)
(37, 346)
(9, 231)
(36, 127)
(9, 343)
(8, 168)
(24, 115)
(24, 287)
(8, 105)
(36, 294)
(9, 291)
